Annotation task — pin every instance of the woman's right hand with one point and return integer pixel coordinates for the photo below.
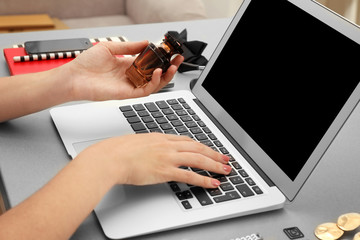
(143, 159)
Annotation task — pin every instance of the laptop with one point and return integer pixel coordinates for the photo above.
(275, 93)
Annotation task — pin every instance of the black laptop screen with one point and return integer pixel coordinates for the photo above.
(284, 76)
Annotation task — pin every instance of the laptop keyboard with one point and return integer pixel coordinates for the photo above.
(175, 116)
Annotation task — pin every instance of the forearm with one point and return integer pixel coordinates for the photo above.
(29, 93)
(56, 210)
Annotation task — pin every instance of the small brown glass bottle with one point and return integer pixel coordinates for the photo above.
(151, 58)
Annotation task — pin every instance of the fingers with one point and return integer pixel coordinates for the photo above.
(125, 48)
(193, 178)
(197, 147)
(196, 155)
(160, 80)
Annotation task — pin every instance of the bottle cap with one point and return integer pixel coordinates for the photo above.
(175, 43)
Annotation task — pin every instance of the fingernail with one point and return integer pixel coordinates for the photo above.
(225, 158)
(227, 168)
(215, 182)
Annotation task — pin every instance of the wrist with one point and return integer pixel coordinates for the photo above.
(95, 161)
(65, 76)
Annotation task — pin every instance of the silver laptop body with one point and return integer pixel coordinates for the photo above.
(275, 93)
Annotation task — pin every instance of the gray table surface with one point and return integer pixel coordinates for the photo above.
(31, 153)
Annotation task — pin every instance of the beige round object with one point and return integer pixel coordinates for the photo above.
(357, 236)
(328, 231)
(349, 221)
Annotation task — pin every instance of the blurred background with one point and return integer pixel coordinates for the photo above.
(20, 15)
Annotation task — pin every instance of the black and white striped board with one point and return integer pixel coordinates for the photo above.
(60, 55)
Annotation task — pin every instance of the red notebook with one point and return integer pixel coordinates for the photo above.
(16, 68)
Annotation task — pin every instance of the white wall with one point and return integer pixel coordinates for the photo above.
(221, 8)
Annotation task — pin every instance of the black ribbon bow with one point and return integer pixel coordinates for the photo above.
(192, 52)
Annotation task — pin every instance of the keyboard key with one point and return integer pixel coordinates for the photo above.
(218, 143)
(201, 196)
(191, 112)
(186, 204)
(219, 177)
(257, 190)
(161, 120)
(125, 108)
(147, 119)
(151, 125)
(181, 129)
(226, 186)
(223, 150)
(196, 118)
(172, 101)
(143, 113)
(214, 191)
(228, 196)
(250, 181)
(177, 123)
(201, 137)
(212, 136)
(181, 100)
(187, 194)
(128, 114)
(243, 173)
(138, 127)
(186, 106)
(171, 131)
(176, 107)
(244, 190)
(172, 117)
(236, 180)
(232, 159)
(191, 124)
(166, 126)
(207, 143)
(196, 130)
(232, 173)
(181, 112)
(134, 120)
(186, 118)
(138, 107)
(201, 123)
(167, 111)
(180, 196)
(151, 107)
(206, 130)
(142, 131)
(236, 165)
(158, 130)
(174, 187)
(162, 104)
(157, 114)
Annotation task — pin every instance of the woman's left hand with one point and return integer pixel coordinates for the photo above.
(98, 74)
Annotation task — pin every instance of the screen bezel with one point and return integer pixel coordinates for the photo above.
(289, 187)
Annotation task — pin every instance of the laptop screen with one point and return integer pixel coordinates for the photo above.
(284, 76)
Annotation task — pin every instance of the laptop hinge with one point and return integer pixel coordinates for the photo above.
(235, 144)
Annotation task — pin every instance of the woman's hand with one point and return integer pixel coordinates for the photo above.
(143, 159)
(98, 74)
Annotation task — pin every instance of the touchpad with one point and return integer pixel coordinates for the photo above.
(80, 146)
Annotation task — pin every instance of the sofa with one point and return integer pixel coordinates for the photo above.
(98, 13)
